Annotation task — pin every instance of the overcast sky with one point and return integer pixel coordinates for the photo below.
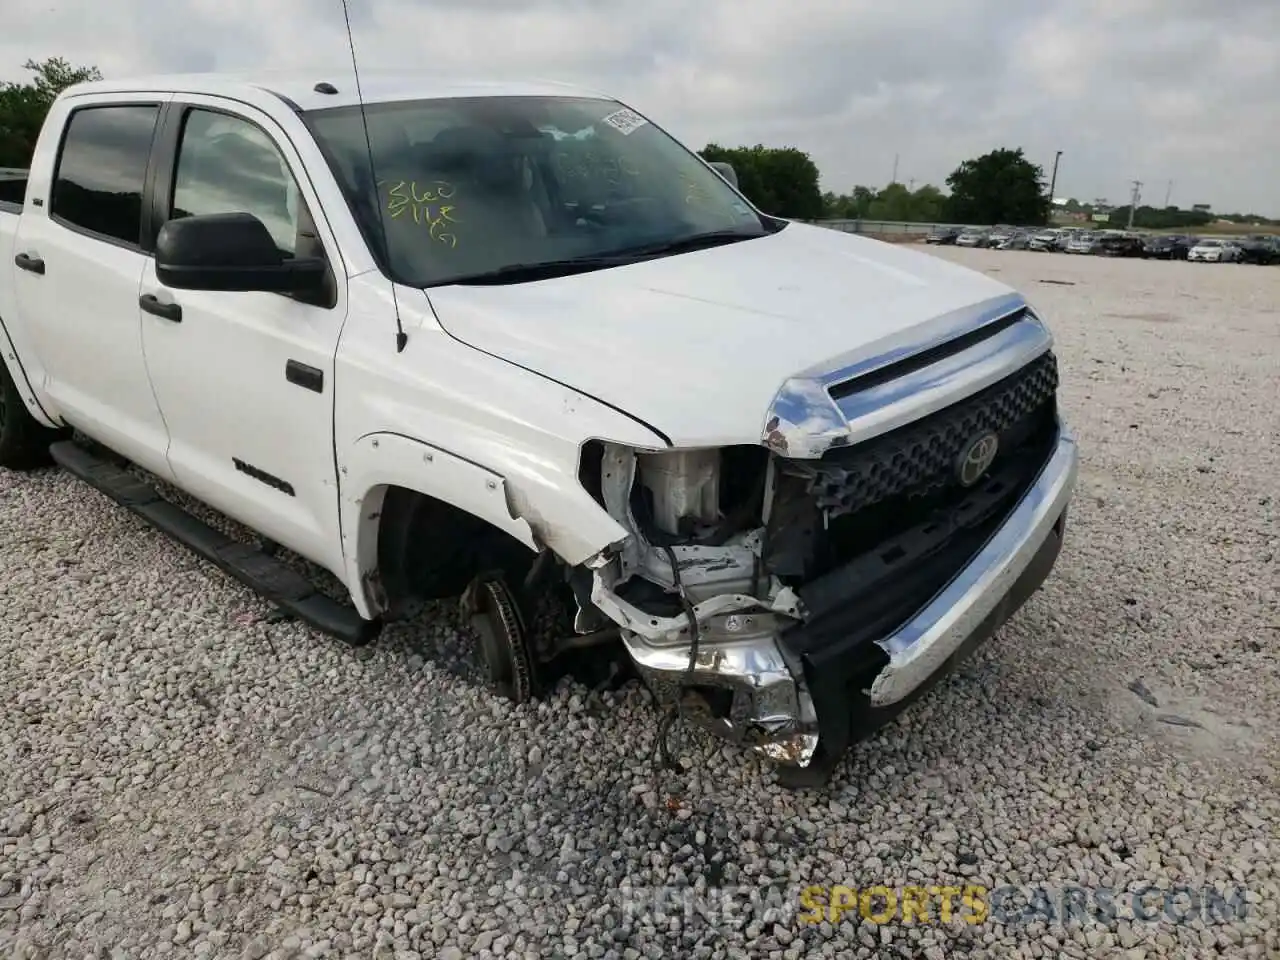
(1154, 90)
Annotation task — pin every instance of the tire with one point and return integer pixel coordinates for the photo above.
(24, 442)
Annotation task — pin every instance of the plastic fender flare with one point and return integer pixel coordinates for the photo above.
(380, 460)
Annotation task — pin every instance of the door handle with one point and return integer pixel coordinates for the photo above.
(170, 311)
(27, 262)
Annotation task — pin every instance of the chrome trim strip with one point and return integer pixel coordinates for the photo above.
(804, 422)
(941, 330)
(922, 645)
(914, 395)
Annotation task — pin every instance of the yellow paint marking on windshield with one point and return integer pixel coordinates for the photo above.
(694, 193)
(425, 207)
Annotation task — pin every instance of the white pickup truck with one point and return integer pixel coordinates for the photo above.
(518, 345)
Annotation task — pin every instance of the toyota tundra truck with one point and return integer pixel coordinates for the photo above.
(519, 346)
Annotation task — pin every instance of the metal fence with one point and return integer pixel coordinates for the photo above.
(885, 227)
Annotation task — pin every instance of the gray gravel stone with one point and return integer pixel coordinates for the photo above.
(184, 777)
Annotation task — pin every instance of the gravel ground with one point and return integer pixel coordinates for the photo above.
(185, 777)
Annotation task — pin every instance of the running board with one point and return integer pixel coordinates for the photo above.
(274, 581)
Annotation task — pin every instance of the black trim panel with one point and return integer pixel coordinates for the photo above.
(304, 375)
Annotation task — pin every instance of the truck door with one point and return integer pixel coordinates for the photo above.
(245, 380)
(79, 261)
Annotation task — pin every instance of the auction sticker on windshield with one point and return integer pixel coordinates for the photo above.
(626, 121)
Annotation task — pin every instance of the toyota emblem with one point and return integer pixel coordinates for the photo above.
(976, 458)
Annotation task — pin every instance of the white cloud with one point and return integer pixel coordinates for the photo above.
(1155, 90)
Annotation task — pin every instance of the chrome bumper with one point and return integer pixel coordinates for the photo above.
(922, 645)
(771, 710)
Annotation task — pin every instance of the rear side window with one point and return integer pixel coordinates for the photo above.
(98, 183)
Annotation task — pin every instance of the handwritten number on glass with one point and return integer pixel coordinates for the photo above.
(694, 193)
(426, 206)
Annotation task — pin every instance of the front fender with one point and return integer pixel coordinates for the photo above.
(378, 461)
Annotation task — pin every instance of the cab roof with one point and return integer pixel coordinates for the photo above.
(299, 90)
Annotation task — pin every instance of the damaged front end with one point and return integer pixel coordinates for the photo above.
(699, 611)
(790, 592)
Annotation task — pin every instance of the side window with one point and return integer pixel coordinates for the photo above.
(229, 165)
(98, 182)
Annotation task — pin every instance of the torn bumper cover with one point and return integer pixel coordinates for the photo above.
(783, 678)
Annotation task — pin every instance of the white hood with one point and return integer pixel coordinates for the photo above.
(698, 345)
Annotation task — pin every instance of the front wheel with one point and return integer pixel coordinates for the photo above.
(24, 441)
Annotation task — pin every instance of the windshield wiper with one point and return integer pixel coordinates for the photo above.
(522, 272)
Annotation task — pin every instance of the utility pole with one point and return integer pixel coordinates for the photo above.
(1053, 180)
(1133, 200)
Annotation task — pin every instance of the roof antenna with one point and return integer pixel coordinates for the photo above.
(401, 337)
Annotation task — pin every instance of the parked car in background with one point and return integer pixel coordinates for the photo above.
(1067, 234)
(999, 234)
(1167, 247)
(1259, 250)
(973, 238)
(1120, 245)
(1214, 251)
(1045, 241)
(1018, 240)
(943, 236)
(1083, 242)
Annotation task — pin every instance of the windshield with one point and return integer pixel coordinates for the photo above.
(1210, 243)
(470, 186)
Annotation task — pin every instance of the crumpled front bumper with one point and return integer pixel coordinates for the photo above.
(774, 704)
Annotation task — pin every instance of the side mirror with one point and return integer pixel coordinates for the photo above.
(232, 252)
(725, 170)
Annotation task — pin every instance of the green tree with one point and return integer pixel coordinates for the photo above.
(782, 181)
(861, 200)
(1002, 186)
(894, 202)
(23, 106)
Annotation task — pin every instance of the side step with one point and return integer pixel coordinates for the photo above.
(276, 582)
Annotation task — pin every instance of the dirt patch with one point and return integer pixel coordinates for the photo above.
(1186, 724)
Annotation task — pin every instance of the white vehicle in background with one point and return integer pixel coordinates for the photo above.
(973, 237)
(1214, 251)
(516, 344)
(1083, 242)
(1046, 241)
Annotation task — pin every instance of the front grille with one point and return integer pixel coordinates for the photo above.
(920, 457)
(898, 497)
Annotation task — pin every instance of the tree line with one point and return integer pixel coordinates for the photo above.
(1001, 186)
